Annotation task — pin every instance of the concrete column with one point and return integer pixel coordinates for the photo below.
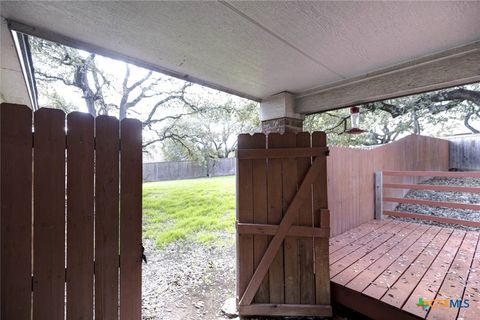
(277, 114)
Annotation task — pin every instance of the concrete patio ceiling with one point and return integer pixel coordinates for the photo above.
(257, 49)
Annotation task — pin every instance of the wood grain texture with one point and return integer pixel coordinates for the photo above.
(433, 278)
(275, 204)
(106, 217)
(245, 261)
(131, 219)
(260, 211)
(366, 269)
(454, 205)
(287, 220)
(396, 293)
(80, 210)
(355, 244)
(431, 187)
(294, 231)
(426, 173)
(49, 215)
(453, 285)
(284, 152)
(276, 273)
(286, 310)
(351, 201)
(471, 289)
(388, 275)
(290, 185)
(465, 152)
(16, 211)
(305, 218)
(427, 217)
(321, 219)
(364, 247)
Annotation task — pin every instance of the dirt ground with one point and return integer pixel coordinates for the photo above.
(188, 280)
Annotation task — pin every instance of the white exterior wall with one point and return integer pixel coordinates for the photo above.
(12, 84)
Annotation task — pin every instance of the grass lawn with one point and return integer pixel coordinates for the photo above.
(197, 209)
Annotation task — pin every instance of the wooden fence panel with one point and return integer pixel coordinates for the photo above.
(49, 215)
(305, 218)
(16, 211)
(260, 209)
(289, 189)
(131, 219)
(275, 206)
(465, 152)
(351, 174)
(106, 218)
(294, 264)
(36, 266)
(321, 219)
(245, 263)
(80, 207)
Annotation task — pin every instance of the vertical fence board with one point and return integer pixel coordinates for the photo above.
(130, 219)
(305, 218)
(291, 261)
(16, 211)
(80, 202)
(245, 259)
(296, 281)
(49, 215)
(320, 201)
(39, 235)
(260, 208)
(276, 271)
(106, 217)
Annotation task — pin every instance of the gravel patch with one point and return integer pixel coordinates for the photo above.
(187, 280)
(444, 196)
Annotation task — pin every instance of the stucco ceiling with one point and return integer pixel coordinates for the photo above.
(257, 49)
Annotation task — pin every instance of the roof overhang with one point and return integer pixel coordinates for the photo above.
(327, 54)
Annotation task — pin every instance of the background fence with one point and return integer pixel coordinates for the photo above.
(174, 170)
(465, 152)
(351, 175)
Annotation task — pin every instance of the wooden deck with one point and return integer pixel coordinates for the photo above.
(383, 267)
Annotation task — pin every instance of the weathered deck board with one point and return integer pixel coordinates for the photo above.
(433, 278)
(350, 236)
(393, 264)
(358, 243)
(454, 283)
(472, 292)
(363, 279)
(360, 251)
(391, 274)
(416, 268)
(364, 262)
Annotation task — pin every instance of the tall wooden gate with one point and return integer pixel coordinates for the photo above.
(282, 225)
(73, 218)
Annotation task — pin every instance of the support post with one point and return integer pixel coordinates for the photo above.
(278, 114)
(378, 195)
